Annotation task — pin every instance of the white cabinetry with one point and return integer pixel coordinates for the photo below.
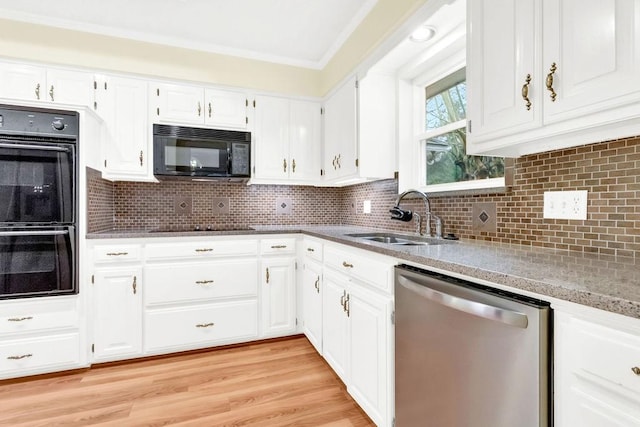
(357, 330)
(122, 104)
(40, 335)
(287, 140)
(538, 81)
(311, 287)
(360, 130)
(186, 104)
(199, 292)
(34, 83)
(278, 296)
(117, 301)
(597, 369)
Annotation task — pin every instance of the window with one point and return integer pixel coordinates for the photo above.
(444, 140)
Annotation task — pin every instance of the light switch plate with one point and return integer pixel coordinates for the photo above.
(565, 205)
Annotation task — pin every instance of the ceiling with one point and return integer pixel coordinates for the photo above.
(305, 33)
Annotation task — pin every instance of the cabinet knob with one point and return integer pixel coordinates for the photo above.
(549, 81)
(636, 370)
(525, 92)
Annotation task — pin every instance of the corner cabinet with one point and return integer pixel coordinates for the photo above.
(540, 81)
(597, 368)
(287, 140)
(360, 131)
(122, 104)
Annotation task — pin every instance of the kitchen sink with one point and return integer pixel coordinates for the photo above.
(400, 239)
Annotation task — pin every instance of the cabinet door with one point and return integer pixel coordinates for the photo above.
(501, 59)
(24, 82)
(370, 375)
(340, 136)
(271, 138)
(225, 108)
(312, 303)
(335, 324)
(278, 297)
(304, 141)
(69, 87)
(596, 48)
(122, 103)
(178, 103)
(117, 313)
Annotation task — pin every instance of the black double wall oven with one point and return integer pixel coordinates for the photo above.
(38, 202)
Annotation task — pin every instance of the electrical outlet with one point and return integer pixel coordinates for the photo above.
(565, 205)
(366, 207)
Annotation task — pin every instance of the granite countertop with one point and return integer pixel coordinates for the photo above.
(600, 281)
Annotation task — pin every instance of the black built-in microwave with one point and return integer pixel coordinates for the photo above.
(188, 152)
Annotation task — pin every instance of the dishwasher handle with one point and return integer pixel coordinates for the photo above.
(508, 317)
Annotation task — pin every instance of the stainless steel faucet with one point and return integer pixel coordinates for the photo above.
(403, 215)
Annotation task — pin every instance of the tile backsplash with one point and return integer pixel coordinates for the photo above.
(609, 171)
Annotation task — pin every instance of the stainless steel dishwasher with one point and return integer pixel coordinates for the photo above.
(467, 355)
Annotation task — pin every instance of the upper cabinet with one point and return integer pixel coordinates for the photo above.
(34, 83)
(122, 104)
(553, 74)
(287, 140)
(186, 104)
(360, 131)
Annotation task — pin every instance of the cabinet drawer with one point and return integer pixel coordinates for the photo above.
(312, 249)
(607, 353)
(201, 249)
(278, 246)
(116, 253)
(200, 326)
(37, 316)
(199, 281)
(376, 271)
(24, 357)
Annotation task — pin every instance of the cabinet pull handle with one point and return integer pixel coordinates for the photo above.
(636, 370)
(38, 91)
(338, 160)
(317, 284)
(310, 250)
(267, 275)
(51, 93)
(278, 246)
(345, 264)
(293, 166)
(335, 158)
(199, 108)
(134, 285)
(209, 110)
(203, 282)
(205, 325)
(346, 305)
(549, 82)
(204, 250)
(117, 253)
(23, 356)
(284, 164)
(141, 158)
(344, 294)
(19, 319)
(525, 91)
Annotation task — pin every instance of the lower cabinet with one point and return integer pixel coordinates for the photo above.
(597, 369)
(335, 324)
(117, 313)
(277, 289)
(40, 335)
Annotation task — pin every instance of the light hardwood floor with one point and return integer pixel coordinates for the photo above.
(274, 383)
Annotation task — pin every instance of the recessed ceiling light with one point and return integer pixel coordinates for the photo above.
(422, 34)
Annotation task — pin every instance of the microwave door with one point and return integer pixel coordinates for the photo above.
(195, 158)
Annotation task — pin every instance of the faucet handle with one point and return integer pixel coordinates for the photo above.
(401, 214)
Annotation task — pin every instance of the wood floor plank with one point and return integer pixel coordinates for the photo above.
(273, 383)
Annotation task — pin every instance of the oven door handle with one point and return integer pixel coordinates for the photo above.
(33, 147)
(33, 233)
